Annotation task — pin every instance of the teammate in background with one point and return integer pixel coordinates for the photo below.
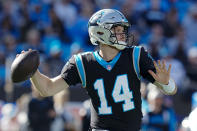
(111, 75)
(41, 112)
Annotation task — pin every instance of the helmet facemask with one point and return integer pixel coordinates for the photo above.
(114, 39)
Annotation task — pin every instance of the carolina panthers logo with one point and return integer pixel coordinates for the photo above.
(96, 18)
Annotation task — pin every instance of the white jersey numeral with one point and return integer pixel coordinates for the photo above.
(104, 108)
(120, 93)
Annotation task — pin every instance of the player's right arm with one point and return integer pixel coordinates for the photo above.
(50, 86)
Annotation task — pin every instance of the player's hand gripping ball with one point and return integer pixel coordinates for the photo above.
(24, 65)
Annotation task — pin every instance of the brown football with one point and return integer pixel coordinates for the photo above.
(24, 66)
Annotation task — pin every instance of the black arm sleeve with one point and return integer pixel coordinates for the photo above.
(146, 63)
(69, 72)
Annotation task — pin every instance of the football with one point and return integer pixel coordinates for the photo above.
(24, 66)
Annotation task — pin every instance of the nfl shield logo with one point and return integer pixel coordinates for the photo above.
(108, 67)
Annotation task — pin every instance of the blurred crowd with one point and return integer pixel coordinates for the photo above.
(58, 29)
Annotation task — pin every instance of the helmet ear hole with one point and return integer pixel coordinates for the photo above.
(100, 33)
(97, 42)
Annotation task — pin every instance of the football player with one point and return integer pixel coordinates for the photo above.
(111, 75)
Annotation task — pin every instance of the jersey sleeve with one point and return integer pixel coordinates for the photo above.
(146, 63)
(69, 72)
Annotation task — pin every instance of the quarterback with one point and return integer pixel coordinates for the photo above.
(111, 75)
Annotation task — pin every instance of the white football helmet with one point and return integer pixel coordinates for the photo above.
(100, 25)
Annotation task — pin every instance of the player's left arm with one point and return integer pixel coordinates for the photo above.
(157, 74)
(162, 78)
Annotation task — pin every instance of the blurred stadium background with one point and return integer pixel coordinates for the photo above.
(58, 29)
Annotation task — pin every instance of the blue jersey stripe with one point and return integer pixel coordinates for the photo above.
(105, 64)
(136, 58)
(80, 69)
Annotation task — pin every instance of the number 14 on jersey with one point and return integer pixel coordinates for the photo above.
(120, 93)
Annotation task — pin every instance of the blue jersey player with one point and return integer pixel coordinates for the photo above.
(111, 75)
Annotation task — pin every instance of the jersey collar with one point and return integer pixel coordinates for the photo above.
(107, 65)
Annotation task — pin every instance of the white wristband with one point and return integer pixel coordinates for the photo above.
(170, 88)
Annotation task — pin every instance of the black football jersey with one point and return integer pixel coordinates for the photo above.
(113, 87)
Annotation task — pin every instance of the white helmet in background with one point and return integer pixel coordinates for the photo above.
(100, 25)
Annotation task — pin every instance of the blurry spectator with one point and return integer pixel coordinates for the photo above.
(194, 100)
(182, 7)
(22, 102)
(192, 120)
(156, 40)
(133, 10)
(7, 27)
(80, 26)
(49, 36)
(171, 23)
(159, 118)
(10, 51)
(66, 11)
(157, 35)
(75, 48)
(54, 61)
(38, 13)
(2, 66)
(190, 25)
(189, 122)
(64, 120)
(178, 72)
(57, 26)
(10, 18)
(135, 37)
(192, 65)
(191, 70)
(85, 114)
(33, 41)
(144, 91)
(102, 4)
(41, 113)
(22, 106)
(25, 23)
(10, 43)
(178, 45)
(11, 8)
(155, 13)
(8, 121)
